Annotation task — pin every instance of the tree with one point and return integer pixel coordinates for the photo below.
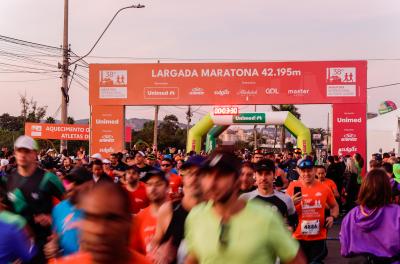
(11, 123)
(50, 120)
(70, 120)
(31, 112)
(290, 108)
(170, 134)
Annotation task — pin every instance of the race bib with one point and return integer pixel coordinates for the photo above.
(310, 227)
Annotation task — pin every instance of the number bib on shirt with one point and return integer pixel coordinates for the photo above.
(310, 227)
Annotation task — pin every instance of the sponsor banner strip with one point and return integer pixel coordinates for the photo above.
(57, 131)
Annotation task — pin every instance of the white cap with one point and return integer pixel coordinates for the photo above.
(97, 156)
(106, 161)
(50, 150)
(141, 153)
(26, 142)
(4, 162)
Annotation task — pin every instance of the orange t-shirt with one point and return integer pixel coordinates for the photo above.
(86, 258)
(311, 210)
(144, 229)
(331, 184)
(139, 198)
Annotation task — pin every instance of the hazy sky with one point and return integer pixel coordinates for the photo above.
(178, 31)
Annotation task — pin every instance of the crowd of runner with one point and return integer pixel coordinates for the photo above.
(143, 206)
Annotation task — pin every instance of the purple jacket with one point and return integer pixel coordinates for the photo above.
(377, 234)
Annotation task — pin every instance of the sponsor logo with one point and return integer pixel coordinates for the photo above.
(298, 92)
(348, 149)
(348, 120)
(107, 121)
(271, 91)
(196, 91)
(349, 137)
(318, 194)
(161, 93)
(113, 84)
(222, 92)
(244, 92)
(107, 139)
(107, 150)
(341, 75)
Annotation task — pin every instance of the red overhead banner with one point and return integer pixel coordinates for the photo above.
(57, 131)
(319, 82)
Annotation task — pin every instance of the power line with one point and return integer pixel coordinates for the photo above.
(384, 85)
(33, 80)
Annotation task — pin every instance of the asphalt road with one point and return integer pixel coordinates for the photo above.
(334, 246)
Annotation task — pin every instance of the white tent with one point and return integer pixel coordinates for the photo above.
(382, 132)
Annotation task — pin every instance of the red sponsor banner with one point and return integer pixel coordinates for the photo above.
(349, 129)
(321, 82)
(107, 129)
(128, 134)
(57, 131)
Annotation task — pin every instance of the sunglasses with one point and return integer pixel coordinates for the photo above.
(223, 235)
(165, 165)
(306, 164)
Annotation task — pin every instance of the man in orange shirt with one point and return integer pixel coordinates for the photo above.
(321, 176)
(136, 190)
(146, 221)
(311, 198)
(175, 181)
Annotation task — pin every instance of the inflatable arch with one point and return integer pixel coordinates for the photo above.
(214, 125)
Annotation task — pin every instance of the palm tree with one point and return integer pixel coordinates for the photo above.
(286, 107)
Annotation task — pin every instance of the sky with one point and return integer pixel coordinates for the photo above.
(198, 31)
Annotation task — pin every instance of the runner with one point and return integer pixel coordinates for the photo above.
(141, 166)
(311, 198)
(175, 181)
(247, 178)
(257, 156)
(321, 176)
(370, 232)
(15, 244)
(167, 242)
(98, 173)
(106, 228)
(136, 190)
(146, 221)
(264, 174)
(31, 189)
(230, 230)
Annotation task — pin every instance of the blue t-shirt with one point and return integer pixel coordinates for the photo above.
(65, 217)
(14, 242)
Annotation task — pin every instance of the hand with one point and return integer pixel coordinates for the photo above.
(329, 222)
(43, 219)
(297, 198)
(51, 248)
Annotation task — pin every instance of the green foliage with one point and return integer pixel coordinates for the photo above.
(11, 123)
(50, 120)
(70, 120)
(31, 112)
(7, 138)
(286, 107)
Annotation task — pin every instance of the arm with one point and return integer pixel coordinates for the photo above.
(164, 219)
(191, 259)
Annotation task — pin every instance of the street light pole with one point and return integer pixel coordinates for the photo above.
(66, 63)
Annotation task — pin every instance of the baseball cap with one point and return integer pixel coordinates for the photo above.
(141, 153)
(106, 161)
(26, 143)
(396, 172)
(152, 173)
(78, 175)
(195, 160)
(305, 164)
(97, 156)
(297, 151)
(223, 161)
(264, 165)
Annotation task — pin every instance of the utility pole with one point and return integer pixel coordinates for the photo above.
(255, 130)
(189, 115)
(65, 73)
(155, 127)
(327, 136)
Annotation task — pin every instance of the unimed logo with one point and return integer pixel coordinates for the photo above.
(348, 120)
(107, 121)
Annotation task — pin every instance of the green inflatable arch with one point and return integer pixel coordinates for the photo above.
(213, 126)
